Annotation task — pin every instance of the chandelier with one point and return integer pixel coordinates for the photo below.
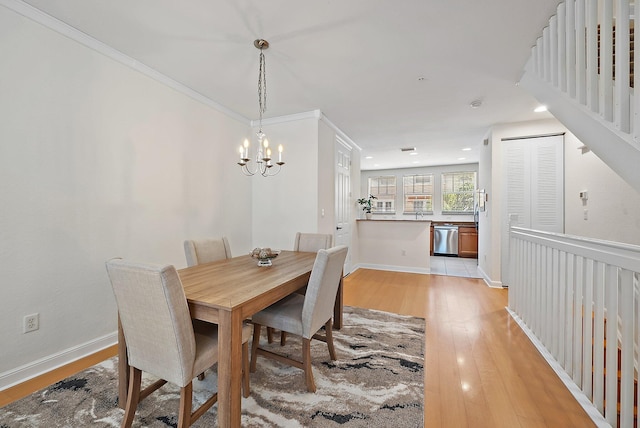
(263, 162)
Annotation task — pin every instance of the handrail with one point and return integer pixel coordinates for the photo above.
(562, 291)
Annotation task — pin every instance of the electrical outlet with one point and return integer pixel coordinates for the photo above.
(31, 323)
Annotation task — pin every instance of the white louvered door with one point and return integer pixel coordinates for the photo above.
(533, 191)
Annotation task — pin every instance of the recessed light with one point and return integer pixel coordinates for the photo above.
(540, 109)
(376, 164)
(466, 149)
(415, 162)
(368, 157)
(413, 153)
(461, 158)
(476, 103)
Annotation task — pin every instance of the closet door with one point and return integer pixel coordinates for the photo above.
(533, 190)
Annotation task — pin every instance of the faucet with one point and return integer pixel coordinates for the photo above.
(421, 214)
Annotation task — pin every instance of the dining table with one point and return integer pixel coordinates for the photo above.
(227, 292)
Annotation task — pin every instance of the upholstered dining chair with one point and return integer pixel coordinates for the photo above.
(304, 315)
(206, 250)
(311, 242)
(161, 338)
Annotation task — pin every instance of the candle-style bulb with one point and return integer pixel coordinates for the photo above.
(280, 148)
(246, 143)
(266, 143)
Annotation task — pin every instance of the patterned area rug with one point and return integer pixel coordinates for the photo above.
(377, 381)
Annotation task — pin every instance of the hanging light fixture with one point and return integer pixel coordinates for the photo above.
(263, 162)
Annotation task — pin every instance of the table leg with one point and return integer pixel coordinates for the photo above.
(229, 368)
(123, 368)
(337, 308)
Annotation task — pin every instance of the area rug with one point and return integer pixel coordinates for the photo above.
(377, 381)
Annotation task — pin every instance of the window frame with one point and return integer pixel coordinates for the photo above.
(470, 192)
(428, 196)
(383, 198)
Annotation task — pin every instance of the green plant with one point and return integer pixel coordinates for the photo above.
(366, 203)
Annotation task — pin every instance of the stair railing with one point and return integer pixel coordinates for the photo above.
(562, 291)
(582, 68)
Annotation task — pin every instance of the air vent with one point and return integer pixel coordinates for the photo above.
(407, 149)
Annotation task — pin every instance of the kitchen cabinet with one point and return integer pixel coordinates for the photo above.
(467, 241)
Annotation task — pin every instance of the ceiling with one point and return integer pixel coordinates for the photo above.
(389, 74)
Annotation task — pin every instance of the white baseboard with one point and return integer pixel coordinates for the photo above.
(36, 368)
(392, 268)
(488, 281)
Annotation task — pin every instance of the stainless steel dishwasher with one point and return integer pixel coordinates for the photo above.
(445, 240)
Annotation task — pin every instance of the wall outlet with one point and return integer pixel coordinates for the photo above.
(31, 323)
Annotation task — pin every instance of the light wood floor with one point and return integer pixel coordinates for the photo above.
(480, 368)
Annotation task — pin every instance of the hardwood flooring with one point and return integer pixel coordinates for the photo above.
(480, 368)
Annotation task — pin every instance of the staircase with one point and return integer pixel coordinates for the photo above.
(582, 69)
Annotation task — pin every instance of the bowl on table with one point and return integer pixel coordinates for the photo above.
(264, 255)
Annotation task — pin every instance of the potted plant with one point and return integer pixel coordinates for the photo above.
(366, 205)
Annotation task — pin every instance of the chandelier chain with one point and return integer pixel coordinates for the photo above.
(262, 87)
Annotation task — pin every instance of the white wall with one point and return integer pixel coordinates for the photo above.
(97, 161)
(437, 192)
(613, 209)
(288, 202)
(485, 225)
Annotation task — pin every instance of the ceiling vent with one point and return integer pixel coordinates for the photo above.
(407, 149)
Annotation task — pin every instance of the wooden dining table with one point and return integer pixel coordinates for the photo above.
(227, 292)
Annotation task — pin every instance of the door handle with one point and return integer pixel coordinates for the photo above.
(338, 228)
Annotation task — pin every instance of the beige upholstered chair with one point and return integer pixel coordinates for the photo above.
(312, 242)
(161, 338)
(305, 315)
(206, 250)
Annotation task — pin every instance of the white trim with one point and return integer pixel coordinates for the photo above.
(338, 131)
(488, 280)
(392, 268)
(51, 362)
(313, 114)
(74, 34)
(582, 399)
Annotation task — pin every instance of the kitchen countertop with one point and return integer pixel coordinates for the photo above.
(395, 219)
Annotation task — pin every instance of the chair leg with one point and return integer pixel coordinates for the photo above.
(329, 334)
(270, 334)
(133, 396)
(184, 413)
(254, 346)
(245, 370)
(283, 338)
(306, 363)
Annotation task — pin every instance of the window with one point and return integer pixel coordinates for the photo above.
(383, 188)
(457, 192)
(418, 193)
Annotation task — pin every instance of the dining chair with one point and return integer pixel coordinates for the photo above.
(161, 338)
(304, 315)
(206, 250)
(311, 242)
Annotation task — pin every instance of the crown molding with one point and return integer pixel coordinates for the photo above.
(338, 131)
(313, 114)
(76, 35)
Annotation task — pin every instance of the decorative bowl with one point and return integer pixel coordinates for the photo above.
(264, 255)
